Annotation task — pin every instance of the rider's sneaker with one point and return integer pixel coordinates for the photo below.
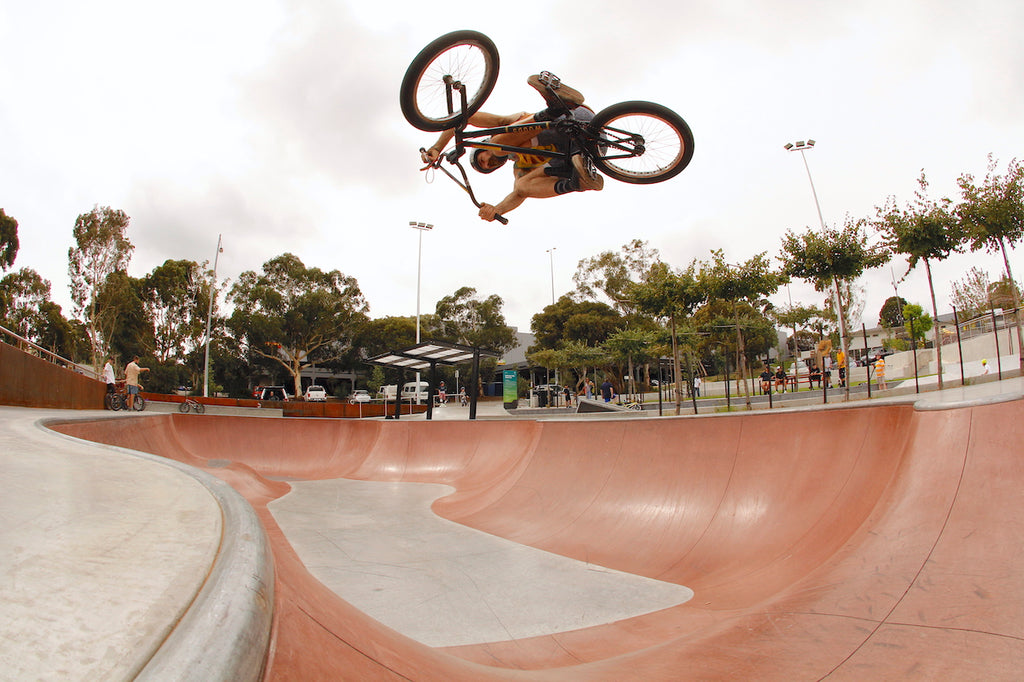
(585, 171)
(557, 94)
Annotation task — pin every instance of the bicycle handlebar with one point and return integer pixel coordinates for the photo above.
(453, 158)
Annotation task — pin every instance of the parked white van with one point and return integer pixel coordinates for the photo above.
(409, 391)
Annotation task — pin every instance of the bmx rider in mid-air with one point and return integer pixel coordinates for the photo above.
(536, 176)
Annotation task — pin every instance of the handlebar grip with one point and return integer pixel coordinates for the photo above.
(501, 219)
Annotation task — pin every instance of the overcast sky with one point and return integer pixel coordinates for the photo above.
(277, 124)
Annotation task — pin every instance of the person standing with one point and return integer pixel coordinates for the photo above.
(880, 372)
(131, 380)
(108, 376)
(841, 364)
(607, 391)
(696, 386)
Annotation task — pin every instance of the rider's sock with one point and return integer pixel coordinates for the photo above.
(549, 114)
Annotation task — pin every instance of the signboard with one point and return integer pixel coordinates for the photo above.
(510, 388)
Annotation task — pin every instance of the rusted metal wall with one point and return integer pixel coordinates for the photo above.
(28, 381)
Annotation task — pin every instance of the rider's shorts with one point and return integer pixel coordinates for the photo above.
(133, 390)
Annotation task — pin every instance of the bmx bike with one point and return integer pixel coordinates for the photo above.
(191, 404)
(636, 142)
(118, 400)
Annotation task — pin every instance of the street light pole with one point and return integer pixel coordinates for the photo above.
(209, 317)
(802, 147)
(551, 257)
(422, 227)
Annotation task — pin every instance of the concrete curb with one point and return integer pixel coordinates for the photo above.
(225, 633)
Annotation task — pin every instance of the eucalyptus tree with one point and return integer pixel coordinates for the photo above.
(22, 295)
(175, 295)
(923, 231)
(567, 320)
(101, 249)
(466, 318)
(796, 317)
(296, 316)
(8, 240)
(673, 295)
(829, 257)
(631, 344)
(611, 273)
(992, 217)
(750, 282)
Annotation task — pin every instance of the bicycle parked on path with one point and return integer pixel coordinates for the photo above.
(636, 142)
(191, 404)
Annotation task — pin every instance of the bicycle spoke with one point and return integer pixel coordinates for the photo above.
(464, 64)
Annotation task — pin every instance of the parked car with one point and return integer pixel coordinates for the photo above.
(316, 394)
(409, 391)
(272, 393)
(359, 396)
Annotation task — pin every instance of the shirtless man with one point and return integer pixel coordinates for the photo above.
(536, 176)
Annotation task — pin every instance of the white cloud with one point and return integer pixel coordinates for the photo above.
(277, 124)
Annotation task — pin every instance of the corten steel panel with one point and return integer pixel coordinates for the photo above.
(28, 381)
(860, 543)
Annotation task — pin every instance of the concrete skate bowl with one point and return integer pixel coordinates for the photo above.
(878, 542)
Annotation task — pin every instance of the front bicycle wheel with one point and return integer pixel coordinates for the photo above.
(429, 96)
(640, 142)
(139, 403)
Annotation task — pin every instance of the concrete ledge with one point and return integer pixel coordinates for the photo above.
(225, 633)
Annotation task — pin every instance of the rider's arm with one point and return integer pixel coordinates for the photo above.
(480, 119)
(533, 185)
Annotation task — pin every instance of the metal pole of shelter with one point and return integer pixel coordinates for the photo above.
(474, 380)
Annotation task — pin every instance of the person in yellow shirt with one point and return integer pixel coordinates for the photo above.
(880, 372)
(841, 364)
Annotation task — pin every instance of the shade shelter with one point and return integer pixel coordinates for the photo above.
(427, 355)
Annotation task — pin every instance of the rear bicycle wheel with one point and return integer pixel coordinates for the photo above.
(466, 57)
(199, 407)
(640, 142)
(184, 407)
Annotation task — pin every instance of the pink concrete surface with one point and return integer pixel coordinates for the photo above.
(858, 543)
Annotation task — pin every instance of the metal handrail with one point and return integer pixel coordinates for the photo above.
(50, 356)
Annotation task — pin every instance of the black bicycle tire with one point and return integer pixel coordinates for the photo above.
(199, 408)
(184, 407)
(139, 403)
(679, 161)
(408, 95)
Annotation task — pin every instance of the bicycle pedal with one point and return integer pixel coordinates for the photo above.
(551, 80)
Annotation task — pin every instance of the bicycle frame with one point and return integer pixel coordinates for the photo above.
(578, 133)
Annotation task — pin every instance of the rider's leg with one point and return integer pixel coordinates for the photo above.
(515, 138)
